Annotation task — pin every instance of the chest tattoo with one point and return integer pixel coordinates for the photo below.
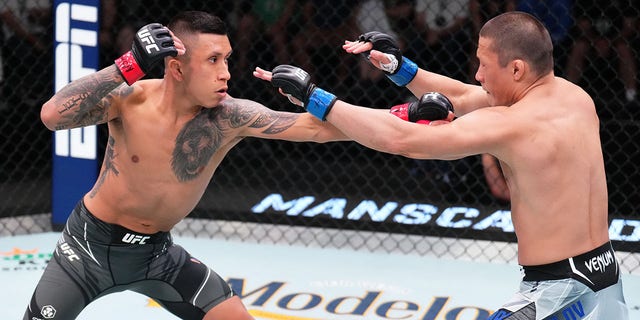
(203, 135)
(195, 145)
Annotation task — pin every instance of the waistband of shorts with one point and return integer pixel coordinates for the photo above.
(116, 234)
(596, 266)
(562, 269)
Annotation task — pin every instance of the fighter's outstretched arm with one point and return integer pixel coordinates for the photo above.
(382, 51)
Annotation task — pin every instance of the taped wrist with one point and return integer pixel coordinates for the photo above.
(129, 68)
(320, 103)
(406, 73)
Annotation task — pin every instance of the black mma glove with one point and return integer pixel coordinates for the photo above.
(431, 106)
(151, 44)
(297, 83)
(400, 70)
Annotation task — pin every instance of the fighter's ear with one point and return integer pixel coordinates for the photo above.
(519, 68)
(174, 68)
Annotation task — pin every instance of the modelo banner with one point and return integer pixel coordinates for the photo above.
(75, 164)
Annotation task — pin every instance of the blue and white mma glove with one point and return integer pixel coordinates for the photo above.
(400, 69)
(296, 83)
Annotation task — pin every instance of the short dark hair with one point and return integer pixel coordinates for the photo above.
(519, 35)
(190, 22)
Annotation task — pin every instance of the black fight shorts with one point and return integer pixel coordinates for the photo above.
(94, 258)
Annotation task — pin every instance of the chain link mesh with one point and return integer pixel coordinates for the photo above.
(597, 46)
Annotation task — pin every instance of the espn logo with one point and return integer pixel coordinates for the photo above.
(145, 36)
(135, 238)
(76, 55)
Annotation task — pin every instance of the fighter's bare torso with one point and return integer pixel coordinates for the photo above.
(158, 163)
(555, 174)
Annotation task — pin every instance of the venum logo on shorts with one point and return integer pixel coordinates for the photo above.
(600, 262)
(135, 238)
(574, 311)
(48, 312)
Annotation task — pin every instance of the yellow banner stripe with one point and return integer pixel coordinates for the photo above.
(276, 316)
(256, 313)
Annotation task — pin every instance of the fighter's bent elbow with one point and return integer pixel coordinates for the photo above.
(48, 115)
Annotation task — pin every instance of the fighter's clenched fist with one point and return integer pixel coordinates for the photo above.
(151, 44)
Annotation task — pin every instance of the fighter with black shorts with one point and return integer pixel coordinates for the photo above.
(166, 138)
(94, 258)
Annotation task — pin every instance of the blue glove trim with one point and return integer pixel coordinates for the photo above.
(408, 71)
(320, 102)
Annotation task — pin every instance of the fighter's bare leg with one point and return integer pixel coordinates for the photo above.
(231, 308)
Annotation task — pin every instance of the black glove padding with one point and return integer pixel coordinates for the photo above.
(383, 43)
(293, 81)
(400, 70)
(297, 83)
(431, 106)
(151, 45)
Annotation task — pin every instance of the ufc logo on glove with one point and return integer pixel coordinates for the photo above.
(145, 36)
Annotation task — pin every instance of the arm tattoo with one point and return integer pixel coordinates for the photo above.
(109, 166)
(201, 137)
(86, 102)
(275, 122)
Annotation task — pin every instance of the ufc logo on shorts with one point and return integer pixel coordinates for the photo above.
(135, 238)
(146, 37)
(66, 249)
